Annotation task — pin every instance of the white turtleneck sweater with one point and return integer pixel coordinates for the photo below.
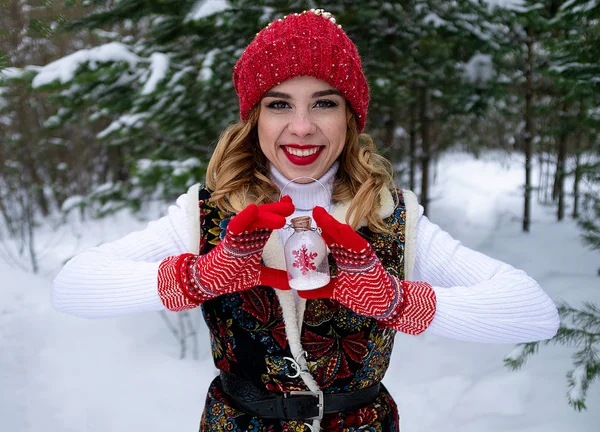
(478, 298)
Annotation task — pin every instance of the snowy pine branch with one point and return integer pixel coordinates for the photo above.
(586, 319)
(518, 357)
(579, 328)
(587, 368)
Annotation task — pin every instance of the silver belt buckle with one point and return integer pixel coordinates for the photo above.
(318, 394)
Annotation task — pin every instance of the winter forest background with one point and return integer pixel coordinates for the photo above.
(110, 109)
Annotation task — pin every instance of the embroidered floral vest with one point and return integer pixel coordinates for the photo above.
(344, 351)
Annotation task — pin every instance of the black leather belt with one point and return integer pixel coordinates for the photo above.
(294, 405)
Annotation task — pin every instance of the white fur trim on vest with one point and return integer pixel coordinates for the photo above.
(340, 210)
(410, 232)
(193, 217)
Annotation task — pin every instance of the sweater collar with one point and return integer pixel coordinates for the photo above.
(306, 196)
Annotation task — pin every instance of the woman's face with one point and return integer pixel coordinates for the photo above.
(302, 127)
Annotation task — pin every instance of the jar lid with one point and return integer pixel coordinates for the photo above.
(301, 222)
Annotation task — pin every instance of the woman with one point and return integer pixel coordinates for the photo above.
(296, 360)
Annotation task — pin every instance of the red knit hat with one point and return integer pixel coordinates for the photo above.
(305, 44)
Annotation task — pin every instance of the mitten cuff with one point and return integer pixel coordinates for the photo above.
(416, 310)
(170, 285)
(246, 243)
(349, 261)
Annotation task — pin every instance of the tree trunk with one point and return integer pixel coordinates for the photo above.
(117, 168)
(547, 172)
(561, 160)
(576, 181)
(30, 216)
(541, 185)
(528, 141)
(577, 150)
(425, 147)
(30, 134)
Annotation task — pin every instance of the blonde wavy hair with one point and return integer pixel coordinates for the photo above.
(237, 173)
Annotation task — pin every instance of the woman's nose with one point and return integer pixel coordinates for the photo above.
(302, 124)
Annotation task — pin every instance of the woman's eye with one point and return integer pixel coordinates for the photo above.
(325, 103)
(278, 105)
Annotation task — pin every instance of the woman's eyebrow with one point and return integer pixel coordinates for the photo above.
(276, 94)
(326, 93)
(321, 93)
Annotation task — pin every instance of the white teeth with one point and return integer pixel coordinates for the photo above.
(302, 153)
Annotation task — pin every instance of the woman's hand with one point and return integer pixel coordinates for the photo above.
(235, 263)
(363, 285)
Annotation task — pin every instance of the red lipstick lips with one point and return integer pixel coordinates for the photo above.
(302, 156)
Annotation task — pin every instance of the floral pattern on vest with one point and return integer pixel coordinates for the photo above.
(344, 351)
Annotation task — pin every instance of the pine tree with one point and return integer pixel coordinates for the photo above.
(578, 60)
(523, 62)
(28, 154)
(161, 84)
(449, 73)
(575, 65)
(430, 61)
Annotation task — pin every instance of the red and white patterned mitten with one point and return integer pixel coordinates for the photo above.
(185, 281)
(364, 286)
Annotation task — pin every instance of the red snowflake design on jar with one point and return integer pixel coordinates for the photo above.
(304, 260)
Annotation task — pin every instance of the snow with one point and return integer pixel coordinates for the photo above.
(72, 202)
(381, 82)
(206, 72)
(126, 120)
(4, 120)
(178, 167)
(566, 66)
(204, 8)
(10, 72)
(179, 75)
(400, 132)
(65, 374)
(435, 20)
(103, 188)
(480, 69)
(584, 7)
(516, 5)
(578, 377)
(312, 280)
(64, 68)
(103, 34)
(159, 65)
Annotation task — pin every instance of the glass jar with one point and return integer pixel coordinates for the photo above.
(306, 256)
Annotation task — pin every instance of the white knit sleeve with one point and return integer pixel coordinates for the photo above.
(120, 277)
(480, 299)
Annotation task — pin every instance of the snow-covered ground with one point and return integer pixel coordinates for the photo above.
(61, 373)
